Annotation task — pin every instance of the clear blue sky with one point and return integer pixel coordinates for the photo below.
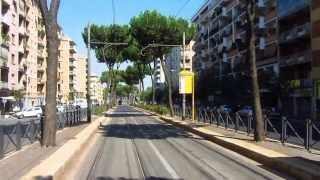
(74, 15)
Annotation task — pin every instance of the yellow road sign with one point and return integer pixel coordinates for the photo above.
(185, 82)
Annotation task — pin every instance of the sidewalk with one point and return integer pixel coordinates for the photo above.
(291, 159)
(19, 163)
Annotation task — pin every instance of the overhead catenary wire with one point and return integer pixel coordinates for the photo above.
(182, 7)
(114, 12)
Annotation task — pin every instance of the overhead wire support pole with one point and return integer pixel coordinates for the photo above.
(184, 67)
(88, 74)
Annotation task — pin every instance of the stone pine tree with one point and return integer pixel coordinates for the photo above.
(152, 27)
(259, 134)
(49, 15)
(111, 55)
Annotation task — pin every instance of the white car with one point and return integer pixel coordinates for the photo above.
(60, 108)
(82, 103)
(246, 111)
(30, 112)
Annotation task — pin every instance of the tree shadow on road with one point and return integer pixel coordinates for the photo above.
(144, 131)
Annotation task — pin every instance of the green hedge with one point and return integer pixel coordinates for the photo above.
(99, 110)
(160, 109)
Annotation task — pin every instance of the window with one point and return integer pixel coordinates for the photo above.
(13, 59)
(13, 39)
(4, 74)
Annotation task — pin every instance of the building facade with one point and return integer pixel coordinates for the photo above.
(174, 62)
(96, 90)
(81, 71)
(159, 75)
(286, 48)
(20, 24)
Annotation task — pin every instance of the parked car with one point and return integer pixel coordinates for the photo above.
(225, 108)
(30, 112)
(82, 103)
(245, 111)
(60, 108)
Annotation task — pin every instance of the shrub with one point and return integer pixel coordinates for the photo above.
(160, 109)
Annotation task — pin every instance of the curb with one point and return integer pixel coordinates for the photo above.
(57, 164)
(274, 160)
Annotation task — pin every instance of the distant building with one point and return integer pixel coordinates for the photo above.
(174, 62)
(96, 90)
(81, 72)
(159, 75)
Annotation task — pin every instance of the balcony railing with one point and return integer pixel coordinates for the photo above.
(295, 32)
(4, 52)
(299, 58)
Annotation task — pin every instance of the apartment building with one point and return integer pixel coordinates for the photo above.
(315, 23)
(96, 90)
(81, 71)
(19, 32)
(159, 75)
(66, 70)
(174, 62)
(286, 47)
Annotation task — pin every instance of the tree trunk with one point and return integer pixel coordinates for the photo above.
(168, 81)
(259, 134)
(142, 85)
(51, 28)
(153, 83)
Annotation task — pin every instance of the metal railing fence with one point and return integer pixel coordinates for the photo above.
(303, 132)
(16, 133)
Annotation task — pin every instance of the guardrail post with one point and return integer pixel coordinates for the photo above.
(249, 119)
(265, 118)
(308, 135)
(1, 142)
(284, 129)
(18, 135)
(34, 131)
(227, 120)
(237, 122)
(218, 119)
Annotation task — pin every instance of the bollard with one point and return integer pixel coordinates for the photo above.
(18, 135)
(308, 136)
(1, 142)
(33, 131)
(237, 122)
(249, 119)
(265, 118)
(284, 129)
(227, 120)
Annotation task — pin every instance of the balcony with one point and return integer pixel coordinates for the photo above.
(42, 53)
(287, 8)
(41, 67)
(41, 80)
(4, 85)
(4, 76)
(295, 33)
(298, 58)
(72, 64)
(4, 52)
(6, 19)
(72, 73)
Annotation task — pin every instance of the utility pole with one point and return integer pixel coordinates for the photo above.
(88, 74)
(183, 67)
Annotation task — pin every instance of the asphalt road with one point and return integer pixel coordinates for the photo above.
(137, 146)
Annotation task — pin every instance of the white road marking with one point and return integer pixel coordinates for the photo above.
(164, 162)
